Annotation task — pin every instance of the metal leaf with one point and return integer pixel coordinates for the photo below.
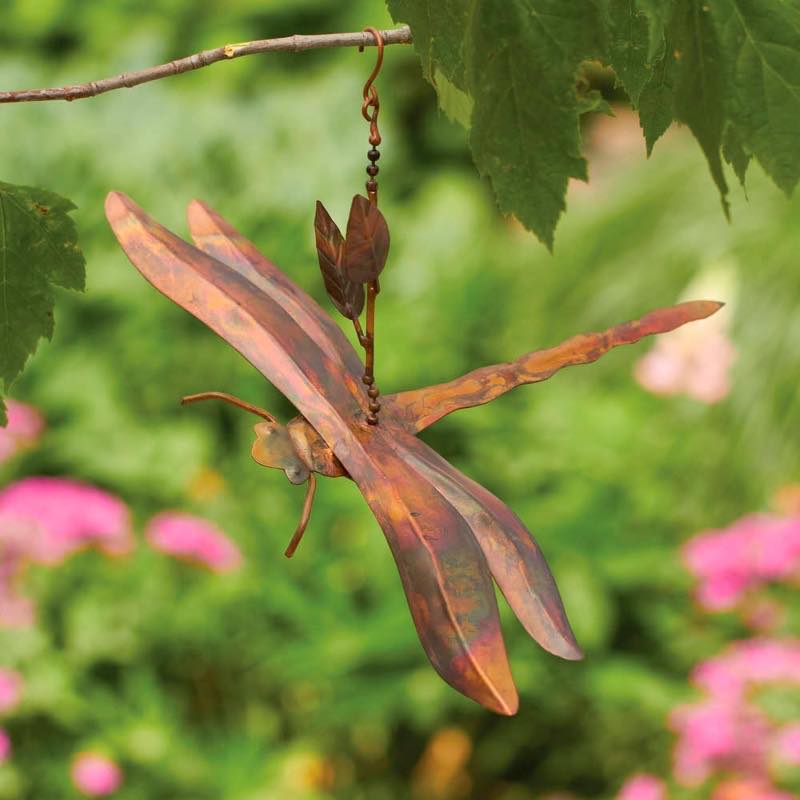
(367, 242)
(346, 295)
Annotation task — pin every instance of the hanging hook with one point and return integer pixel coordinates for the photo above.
(371, 105)
(369, 110)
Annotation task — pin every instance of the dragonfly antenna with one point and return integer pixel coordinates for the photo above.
(229, 398)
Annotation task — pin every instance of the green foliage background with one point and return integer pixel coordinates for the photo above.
(304, 680)
(728, 69)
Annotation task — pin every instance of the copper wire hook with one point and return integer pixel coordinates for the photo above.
(370, 93)
(368, 88)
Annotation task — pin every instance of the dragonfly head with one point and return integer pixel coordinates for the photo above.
(274, 448)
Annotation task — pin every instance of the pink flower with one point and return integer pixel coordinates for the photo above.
(787, 744)
(5, 746)
(697, 368)
(193, 539)
(775, 542)
(721, 560)
(717, 736)
(95, 775)
(753, 550)
(696, 359)
(25, 425)
(726, 731)
(10, 690)
(749, 663)
(65, 516)
(643, 787)
(763, 661)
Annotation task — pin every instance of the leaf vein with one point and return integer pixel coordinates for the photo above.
(793, 90)
(46, 238)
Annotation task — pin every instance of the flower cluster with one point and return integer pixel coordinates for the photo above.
(45, 520)
(731, 562)
(194, 540)
(25, 426)
(643, 787)
(696, 367)
(727, 732)
(11, 685)
(695, 360)
(95, 775)
(63, 516)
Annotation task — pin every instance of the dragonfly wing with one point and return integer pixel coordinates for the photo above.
(420, 408)
(253, 323)
(514, 557)
(445, 576)
(217, 237)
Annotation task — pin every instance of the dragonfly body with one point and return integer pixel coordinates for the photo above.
(314, 451)
(450, 537)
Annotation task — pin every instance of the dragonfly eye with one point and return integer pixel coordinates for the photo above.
(295, 474)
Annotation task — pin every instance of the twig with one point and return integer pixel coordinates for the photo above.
(295, 44)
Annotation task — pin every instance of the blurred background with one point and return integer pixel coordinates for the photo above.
(155, 643)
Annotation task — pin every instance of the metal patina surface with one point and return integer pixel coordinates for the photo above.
(450, 537)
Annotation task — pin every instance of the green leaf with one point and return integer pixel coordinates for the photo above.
(734, 152)
(455, 103)
(761, 39)
(628, 46)
(593, 101)
(700, 85)
(518, 62)
(525, 137)
(656, 100)
(439, 27)
(507, 69)
(659, 13)
(38, 251)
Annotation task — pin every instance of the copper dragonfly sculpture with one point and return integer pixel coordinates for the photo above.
(449, 536)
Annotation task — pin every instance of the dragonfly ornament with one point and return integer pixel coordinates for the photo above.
(450, 537)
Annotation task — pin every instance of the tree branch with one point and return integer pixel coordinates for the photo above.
(127, 80)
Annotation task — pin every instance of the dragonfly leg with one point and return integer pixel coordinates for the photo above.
(304, 517)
